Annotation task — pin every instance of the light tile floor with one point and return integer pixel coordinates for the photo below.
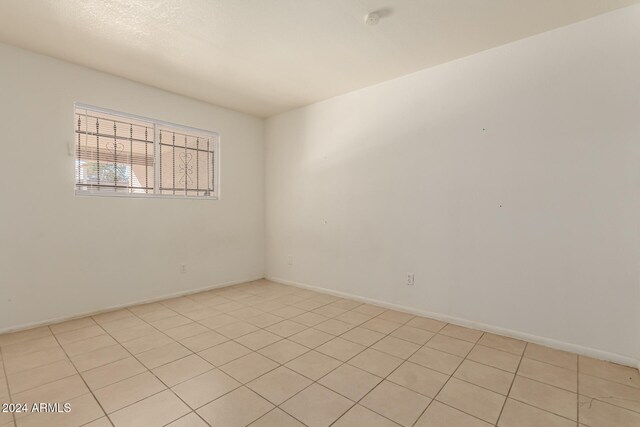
(264, 354)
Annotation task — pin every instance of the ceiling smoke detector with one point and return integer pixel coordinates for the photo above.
(372, 18)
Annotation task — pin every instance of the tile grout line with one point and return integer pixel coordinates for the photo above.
(307, 327)
(36, 367)
(578, 390)
(214, 367)
(346, 363)
(282, 320)
(313, 349)
(475, 344)
(306, 352)
(546, 410)
(218, 367)
(278, 363)
(443, 385)
(275, 298)
(80, 375)
(404, 360)
(542, 409)
(395, 369)
(6, 380)
(449, 379)
(147, 370)
(515, 374)
(177, 313)
(311, 327)
(513, 380)
(554, 386)
(120, 344)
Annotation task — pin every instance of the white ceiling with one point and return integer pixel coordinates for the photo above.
(267, 56)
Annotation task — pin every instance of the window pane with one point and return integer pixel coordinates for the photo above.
(113, 154)
(117, 153)
(186, 163)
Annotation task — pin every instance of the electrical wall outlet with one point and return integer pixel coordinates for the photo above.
(183, 268)
(410, 279)
(290, 260)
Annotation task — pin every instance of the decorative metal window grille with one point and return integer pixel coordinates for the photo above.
(120, 154)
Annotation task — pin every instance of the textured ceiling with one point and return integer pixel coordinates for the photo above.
(267, 56)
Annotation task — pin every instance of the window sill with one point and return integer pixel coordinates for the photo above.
(81, 193)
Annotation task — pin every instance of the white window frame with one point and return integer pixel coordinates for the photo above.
(156, 169)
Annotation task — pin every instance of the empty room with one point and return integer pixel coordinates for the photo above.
(347, 213)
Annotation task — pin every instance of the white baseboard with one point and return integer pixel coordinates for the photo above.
(548, 342)
(121, 306)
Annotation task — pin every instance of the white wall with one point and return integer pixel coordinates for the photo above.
(507, 181)
(62, 255)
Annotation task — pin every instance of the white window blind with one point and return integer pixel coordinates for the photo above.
(125, 155)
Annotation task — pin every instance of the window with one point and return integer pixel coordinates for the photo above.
(118, 154)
